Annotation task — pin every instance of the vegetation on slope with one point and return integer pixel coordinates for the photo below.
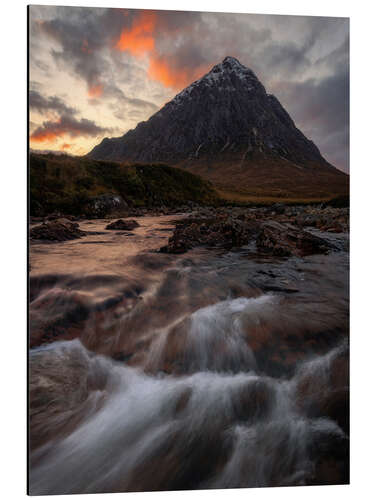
(66, 184)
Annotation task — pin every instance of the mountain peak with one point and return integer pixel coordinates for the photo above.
(232, 61)
(231, 65)
(227, 112)
(227, 76)
(226, 128)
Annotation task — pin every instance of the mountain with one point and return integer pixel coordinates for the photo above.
(226, 128)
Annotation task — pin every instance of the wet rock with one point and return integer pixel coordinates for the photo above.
(323, 390)
(277, 208)
(60, 384)
(326, 218)
(59, 215)
(123, 225)
(36, 220)
(253, 401)
(225, 232)
(286, 240)
(57, 230)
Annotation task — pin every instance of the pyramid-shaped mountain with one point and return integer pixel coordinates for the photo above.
(226, 128)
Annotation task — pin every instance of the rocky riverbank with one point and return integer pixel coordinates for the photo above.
(278, 230)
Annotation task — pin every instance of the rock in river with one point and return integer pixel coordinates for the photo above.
(123, 225)
(56, 230)
(286, 240)
(225, 232)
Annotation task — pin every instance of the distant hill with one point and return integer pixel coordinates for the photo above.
(66, 184)
(226, 128)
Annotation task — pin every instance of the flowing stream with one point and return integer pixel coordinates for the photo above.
(204, 370)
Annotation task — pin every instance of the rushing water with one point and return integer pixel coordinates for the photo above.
(205, 370)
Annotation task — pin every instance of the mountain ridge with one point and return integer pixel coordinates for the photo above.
(224, 126)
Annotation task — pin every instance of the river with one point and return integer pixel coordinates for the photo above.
(210, 369)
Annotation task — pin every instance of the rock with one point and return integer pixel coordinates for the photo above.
(106, 204)
(57, 230)
(35, 220)
(123, 225)
(58, 215)
(224, 232)
(324, 391)
(60, 382)
(286, 240)
(278, 208)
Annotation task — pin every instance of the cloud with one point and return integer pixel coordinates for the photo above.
(95, 91)
(138, 38)
(320, 106)
(150, 33)
(133, 61)
(45, 104)
(81, 35)
(67, 126)
(166, 71)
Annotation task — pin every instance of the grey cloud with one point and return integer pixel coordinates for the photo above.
(122, 99)
(82, 33)
(70, 126)
(128, 107)
(321, 109)
(44, 104)
(41, 65)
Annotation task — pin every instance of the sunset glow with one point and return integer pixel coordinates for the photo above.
(95, 91)
(44, 136)
(161, 71)
(139, 38)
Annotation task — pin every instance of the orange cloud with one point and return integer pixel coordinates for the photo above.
(160, 70)
(44, 136)
(65, 146)
(69, 126)
(139, 38)
(95, 91)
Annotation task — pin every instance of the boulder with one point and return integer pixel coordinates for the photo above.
(56, 230)
(225, 232)
(106, 204)
(123, 225)
(286, 240)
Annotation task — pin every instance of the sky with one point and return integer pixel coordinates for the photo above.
(97, 73)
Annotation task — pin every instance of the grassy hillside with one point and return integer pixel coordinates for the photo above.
(262, 178)
(63, 183)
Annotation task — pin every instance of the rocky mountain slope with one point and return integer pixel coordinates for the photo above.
(226, 128)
